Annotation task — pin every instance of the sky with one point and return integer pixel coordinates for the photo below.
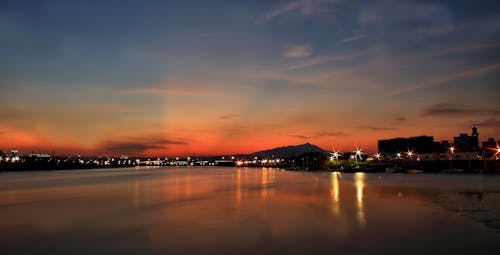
(167, 78)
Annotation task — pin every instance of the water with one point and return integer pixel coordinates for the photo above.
(246, 211)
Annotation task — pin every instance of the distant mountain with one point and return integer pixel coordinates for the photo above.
(289, 151)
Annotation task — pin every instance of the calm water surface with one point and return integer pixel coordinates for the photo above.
(246, 211)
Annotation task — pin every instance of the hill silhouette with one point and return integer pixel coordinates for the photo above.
(289, 151)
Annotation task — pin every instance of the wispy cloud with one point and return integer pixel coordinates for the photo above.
(323, 59)
(328, 78)
(136, 145)
(319, 135)
(489, 123)
(378, 128)
(229, 116)
(445, 109)
(353, 38)
(299, 7)
(303, 137)
(297, 51)
(330, 133)
(402, 11)
(400, 119)
(463, 49)
(173, 92)
(435, 30)
(436, 81)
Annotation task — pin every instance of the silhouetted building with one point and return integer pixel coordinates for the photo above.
(420, 144)
(491, 143)
(445, 145)
(465, 142)
(489, 147)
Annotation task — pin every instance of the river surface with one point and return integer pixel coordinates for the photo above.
(246, 211)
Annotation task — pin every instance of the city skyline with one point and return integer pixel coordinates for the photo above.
(228, 77)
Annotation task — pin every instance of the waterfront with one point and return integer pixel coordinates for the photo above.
(246, 211)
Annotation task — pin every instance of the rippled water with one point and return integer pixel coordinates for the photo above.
(246, 211)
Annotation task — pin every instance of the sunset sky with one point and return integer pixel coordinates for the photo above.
(223, 77)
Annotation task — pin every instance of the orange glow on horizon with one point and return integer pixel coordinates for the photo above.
(213, 139)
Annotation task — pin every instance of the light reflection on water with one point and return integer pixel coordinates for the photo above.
(334, 193)
(246, 211)
(360, 183)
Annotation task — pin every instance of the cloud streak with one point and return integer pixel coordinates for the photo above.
(400, 119)
(136, 145)
(229, 116)
(489, 123)
(324, 59)
(300, 7)
(319, 135)
(378, 128)
(453, 110)
(303, 137)
(172, 92)
(330, 134)
(353, 38)
(463, 49)
(297, 51)
(436, 81)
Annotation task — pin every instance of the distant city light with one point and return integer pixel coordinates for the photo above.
(410, 154)
(359, 153)
(335, 155)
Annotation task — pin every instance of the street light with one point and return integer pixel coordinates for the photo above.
(358, 152)
(335, 155)
(410, 154)
(452, 150)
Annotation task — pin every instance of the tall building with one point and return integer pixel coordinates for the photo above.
(465, 142)
(419, 144)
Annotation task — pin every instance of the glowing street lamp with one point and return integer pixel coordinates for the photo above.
(452, 150)
(335, 155)
(410, 154)
(378, 156)
(358, 153)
